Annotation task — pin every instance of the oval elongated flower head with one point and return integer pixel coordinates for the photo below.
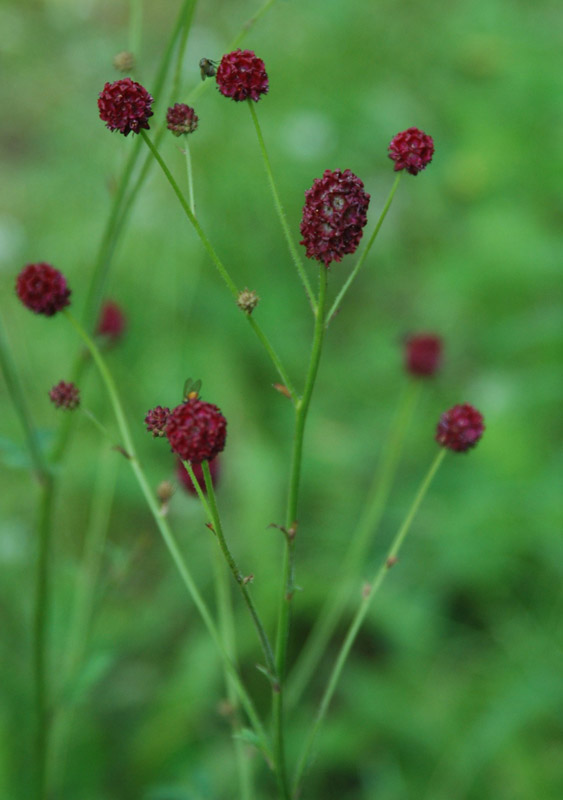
(242, 75)
(43, 289)
(334, 216)
(186, 481)
(125, 106)
(423, 354)
(181, 119)
(65, 395)
(460, 428)
(111, 322)
(196, 430)
(411, 150)
(156, 420)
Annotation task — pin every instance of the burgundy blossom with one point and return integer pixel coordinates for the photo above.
(125, 106)
(196, 430)
(460, 428)
(156, 420)
(423, 354)
(411, 150)
(111, 322)
(43, 289)
(181, 119)
(242, 75)
(184, 477)
(65, 395)
(334, 216)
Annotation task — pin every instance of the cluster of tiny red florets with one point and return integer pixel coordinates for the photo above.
(43, 289)
(423, 354)
(65, 395)
(334, 215)
(125, 106)
(460, 428)
(196, 430)
(184, 476)
(181, 119)
(111, 322)
(411, 150)
(241, 75)
(156, 420)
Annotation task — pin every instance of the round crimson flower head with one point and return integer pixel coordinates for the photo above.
(125, 106)
(112, 321)
(181, 119)
(186, 481)
(423, 354)
(242, 75)
(196, 430)
(43, 289)
(65, 395)
(334, 216)
(156, 420)
(411, 150)
(460, 428)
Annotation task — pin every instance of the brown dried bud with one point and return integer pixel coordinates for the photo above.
(124, 62)
(164, 491)
(247, 301)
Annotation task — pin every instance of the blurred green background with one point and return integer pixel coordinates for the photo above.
(454, 689)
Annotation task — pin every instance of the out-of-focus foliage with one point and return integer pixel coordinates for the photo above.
(453, 689)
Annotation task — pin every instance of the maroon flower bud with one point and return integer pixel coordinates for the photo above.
(156, 420)
(184, 477)
(334, 215)
(411, 150)
(423, 354)
(43, 289)
(460, 428)
(181, 119)
(111, 322)
(242, 75)
(196, 430)
(65, 395)
(125, 106)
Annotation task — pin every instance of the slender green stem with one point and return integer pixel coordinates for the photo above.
(329, 616)
(336, 305)
(368, 594)
(165, 531)
(217, 261)
(279, 208)
(241, 581)
(288, 585)
(135, 27)
(190, 175)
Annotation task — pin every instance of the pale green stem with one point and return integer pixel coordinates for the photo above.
(301, 411)
(165, 530)
(279, 208)
(218, 263)
(368, 593)
(189, 172)
(336, 305)
(97, 424)
(330, 614)
(135, 27)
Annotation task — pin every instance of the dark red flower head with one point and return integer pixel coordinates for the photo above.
(460, 428)
(43, 289)
(181, 119)
(125, 106)
(156, 420)
(184, 478)
(112, 321)
(411, 150)
(196, 430)
(65, 395)
(423, 354)
(242, 75)
(334, 215)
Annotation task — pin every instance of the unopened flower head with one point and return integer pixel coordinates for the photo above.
(186, 481)
(241, 75)
(460, 428)
(334, 216)
(43, 289)
(111, 322)
(156, 420)
(247, 301)
(65, 395)
(423, 354)
(196, 430)
(124, 61)
(411, 150)
(125, 106)
(181, 119)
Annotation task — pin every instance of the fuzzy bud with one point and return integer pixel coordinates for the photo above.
(247, 301)
(460, 428)
(65, 395)
(43, 289)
